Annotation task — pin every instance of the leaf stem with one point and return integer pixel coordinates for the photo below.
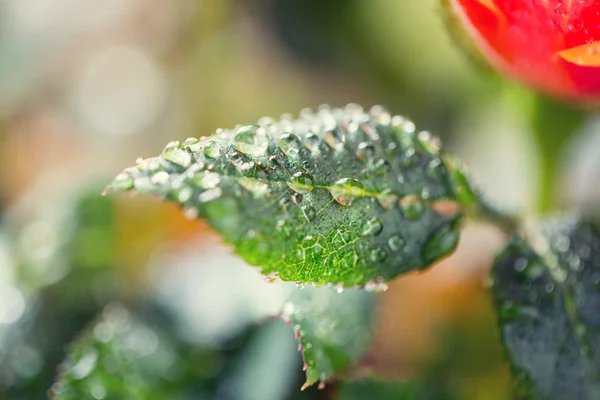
(552, 123)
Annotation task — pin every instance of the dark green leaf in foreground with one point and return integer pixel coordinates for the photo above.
(375, 389)
(549, 312)
(333, 329)
(337, 196)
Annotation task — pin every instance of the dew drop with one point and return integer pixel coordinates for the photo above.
(435, 169)
(210, 195)
(381, 115)
(376, 285)
(212, 149)
(297, 198)
(346, 190)
(160, 178)
(378, 255)
(185, 194)
(373, 227)
(207, 180)
(190, 212)
(258, 187)
(123, 182)
(411, 158)
(290, 145)
(143, 184)
(334, 139)
(171, 146)
(192, 144)
(381, 167)
(311, 141)
(412, 207)
(430, 143)
(442, 242)
(521, 264)
(301, 183)
(251, 140)
(178, 157)
(365, 152)
(387, 199)
(396, 243)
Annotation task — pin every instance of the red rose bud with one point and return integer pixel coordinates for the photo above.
(551, 45)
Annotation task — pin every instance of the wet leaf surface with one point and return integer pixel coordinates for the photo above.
(336, 196)
(548, 307)
(333, 329)
(131, 355)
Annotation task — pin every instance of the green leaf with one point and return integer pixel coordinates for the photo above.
(338, 196)
(125, 356)
(61, 291)
(548, 307)
(333, 329)
(376, 389)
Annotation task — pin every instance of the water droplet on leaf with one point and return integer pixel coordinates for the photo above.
(206, 180)
(365, 152)
(346, 190)
(160, 178)
(251, 140)
(378, 255)
(442, 242)
(311, 141)
(212, 149)
(334, 139)
(396, 243)
(296, 198)
(376, 285)
(290, 145)
(301, 183)
(178, 157)
(412, 207)
(373, 227)
(258, 187)
(210, 195)
(123, 182)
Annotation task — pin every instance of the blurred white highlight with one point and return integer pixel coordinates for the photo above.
(120, 91)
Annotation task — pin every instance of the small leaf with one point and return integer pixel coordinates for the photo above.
(125, 356)
(376, 389)
(333, 328)
(336, 196)
(548, 311)
(114, 359)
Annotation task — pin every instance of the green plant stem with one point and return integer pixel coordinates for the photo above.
(553, 124)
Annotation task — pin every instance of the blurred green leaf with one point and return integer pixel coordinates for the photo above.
(32, 346)
(122, 356)
(338, 196)
(333, 329)
(137, 355)
(548, 311)
(376, 389)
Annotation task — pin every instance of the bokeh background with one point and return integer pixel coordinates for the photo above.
(86, 87)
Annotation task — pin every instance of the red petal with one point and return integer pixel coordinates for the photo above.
(490, 23)
(586, 55)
